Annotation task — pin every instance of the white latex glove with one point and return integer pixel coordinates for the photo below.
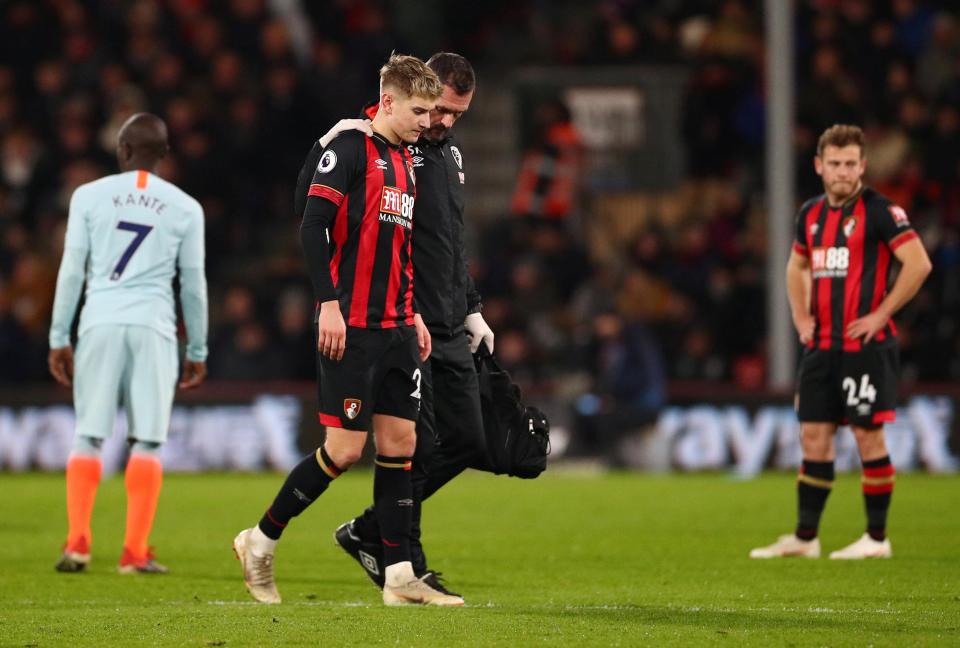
(478, 331)
(362, 125)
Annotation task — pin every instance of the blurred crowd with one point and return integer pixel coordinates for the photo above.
(247, 85)
(243, 104)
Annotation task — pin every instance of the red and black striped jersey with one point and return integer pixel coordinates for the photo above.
(851, 253)
(372, 183)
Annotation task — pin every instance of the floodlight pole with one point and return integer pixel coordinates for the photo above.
(781, 344)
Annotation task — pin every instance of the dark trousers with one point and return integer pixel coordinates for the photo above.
(450, 435)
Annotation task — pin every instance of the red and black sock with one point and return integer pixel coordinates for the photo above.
(878, 479)
(305, 483)
(393, 502)
(813, 487)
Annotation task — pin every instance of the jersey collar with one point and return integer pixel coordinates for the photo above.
(851, 201)
(390, 144)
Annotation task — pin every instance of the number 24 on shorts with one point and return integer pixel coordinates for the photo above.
(867, 392)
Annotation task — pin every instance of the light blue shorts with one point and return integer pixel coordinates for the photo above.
(133, 366)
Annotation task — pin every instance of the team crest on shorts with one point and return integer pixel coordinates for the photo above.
(351, 407)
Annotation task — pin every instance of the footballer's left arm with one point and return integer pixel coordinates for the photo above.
(915, 269)
(916, 266)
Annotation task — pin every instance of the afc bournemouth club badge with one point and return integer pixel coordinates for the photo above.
(848, 226)
(351, 407)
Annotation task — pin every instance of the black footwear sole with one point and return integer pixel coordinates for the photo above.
(367, 554)
(150, 568)
(67, 565)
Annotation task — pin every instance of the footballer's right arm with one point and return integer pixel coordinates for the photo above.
(76, 247)
(336, 172)
(331, 329)
(798, 292)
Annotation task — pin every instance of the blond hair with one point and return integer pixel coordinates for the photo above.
(410, 76)
(841, 135)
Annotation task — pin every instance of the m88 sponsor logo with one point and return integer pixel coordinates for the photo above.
(396, 207)
(830, 262)
(396, 202)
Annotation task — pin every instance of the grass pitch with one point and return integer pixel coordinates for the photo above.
(567, 559)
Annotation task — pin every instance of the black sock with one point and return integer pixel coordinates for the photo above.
(305, 483)
(417, 556)
(813, 488)
(393, 501)
(366, 527)
(878, 478)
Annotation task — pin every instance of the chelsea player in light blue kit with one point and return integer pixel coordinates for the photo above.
(127, 235)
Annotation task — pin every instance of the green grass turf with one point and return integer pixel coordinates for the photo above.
(622, 559)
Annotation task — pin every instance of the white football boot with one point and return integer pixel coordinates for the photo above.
(257, 569)
(865, 547)
(788, 545)
(401, 587)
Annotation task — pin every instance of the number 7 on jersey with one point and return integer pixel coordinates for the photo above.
(140, 232)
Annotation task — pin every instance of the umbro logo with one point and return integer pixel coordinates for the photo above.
(381, 164)
(369, 562)
(417, 161)
(813, 229)
(300, 496)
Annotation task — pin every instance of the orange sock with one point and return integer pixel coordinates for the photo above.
(83, 478)
(143, 479)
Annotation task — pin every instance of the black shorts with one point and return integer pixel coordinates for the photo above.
(856, 388)
(379, 374)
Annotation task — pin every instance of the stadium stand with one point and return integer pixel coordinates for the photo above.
(682, 288)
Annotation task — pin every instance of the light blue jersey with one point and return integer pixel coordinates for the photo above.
(132, 231)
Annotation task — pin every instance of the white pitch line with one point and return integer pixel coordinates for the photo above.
(297, 603)
(518, 607)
